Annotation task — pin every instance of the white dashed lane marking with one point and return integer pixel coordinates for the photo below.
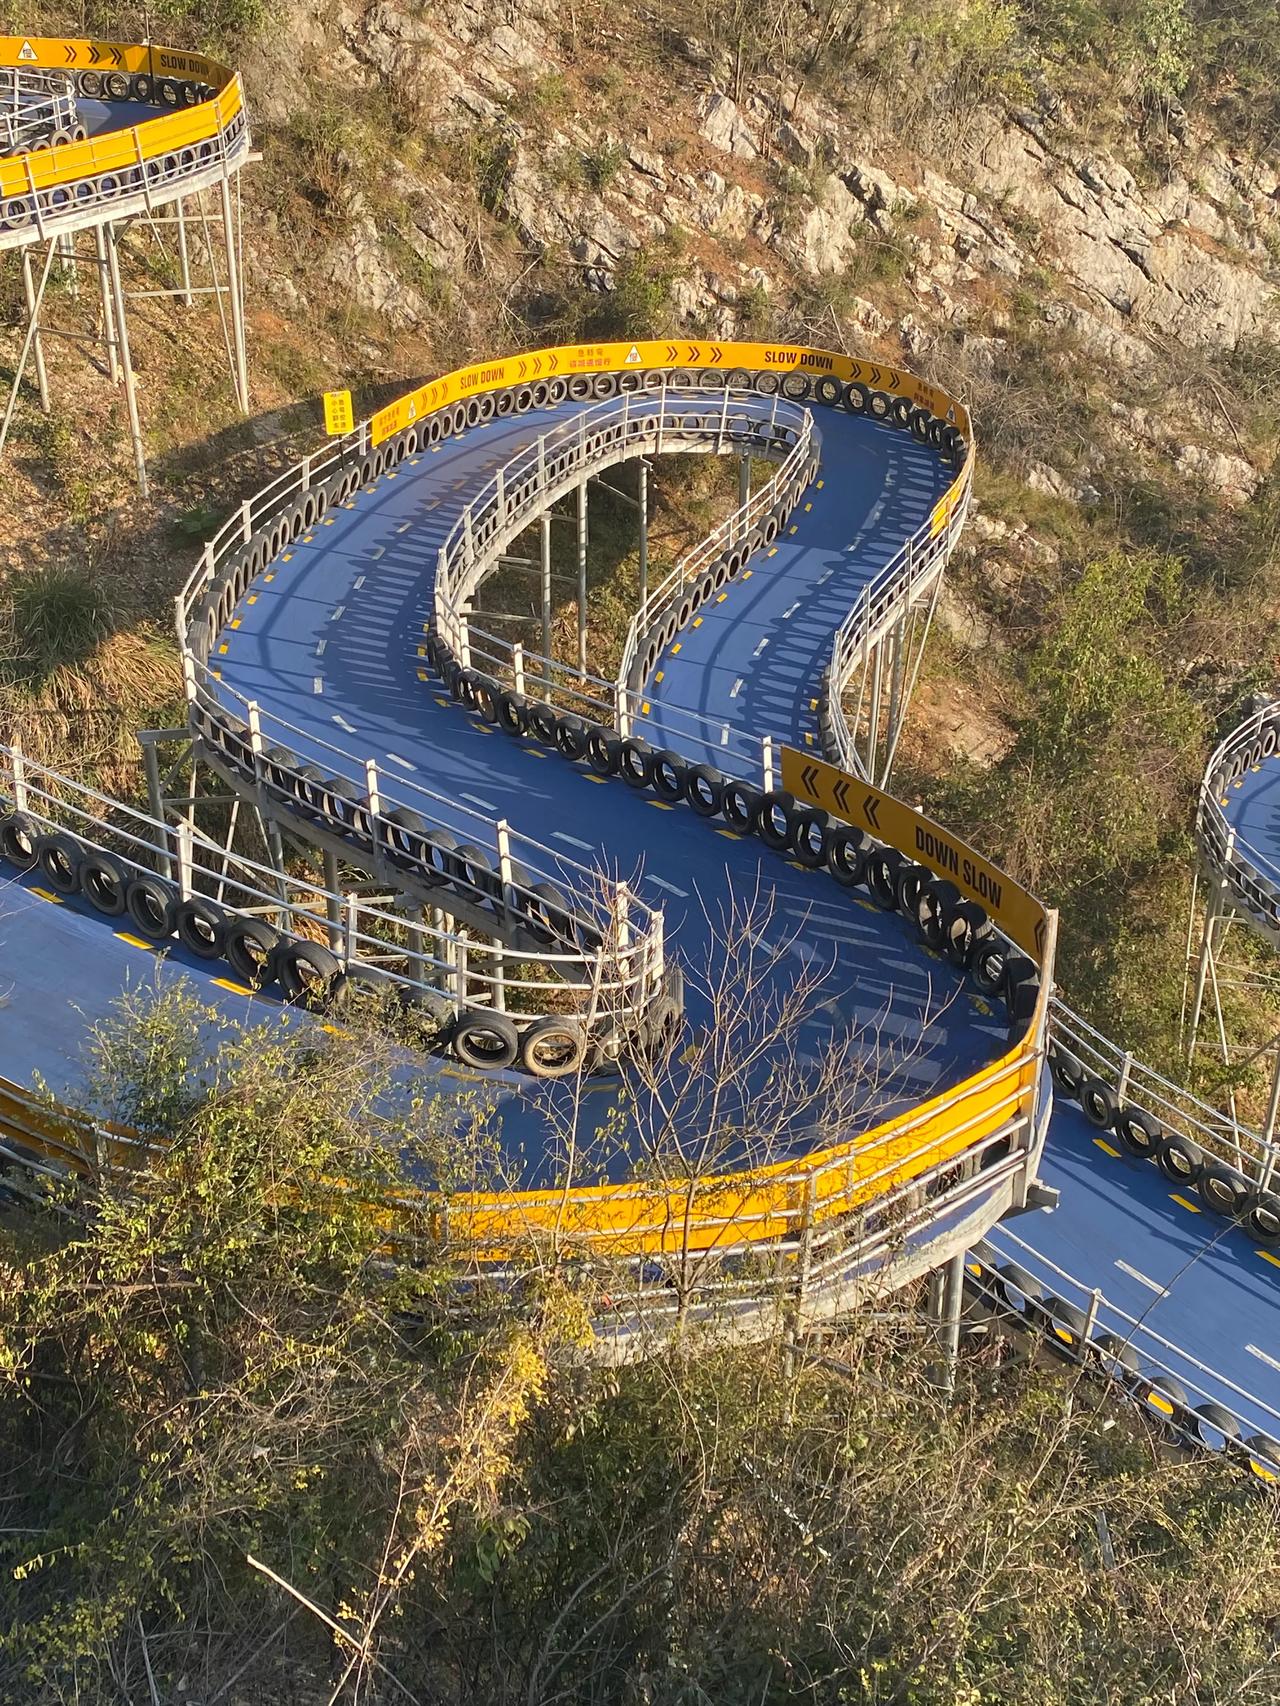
(1141, 1278)
(344, 724)
(671, 888)
(339, 610)
(736, 688)
(790, 610)
(317, 684)
(559, 835)
(1262, 1356)
(475, 800)
(395, 758)
(320, 645)
(760, 648)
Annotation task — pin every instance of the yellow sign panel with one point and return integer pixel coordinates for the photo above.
(338, 417)
(572, 359)
(63, 53)
(1019, 914)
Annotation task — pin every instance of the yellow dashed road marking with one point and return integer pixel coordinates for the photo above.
(46, 894)
(134, 941)
(235, 988)
(662, 805)
(1106, 1147)
(1268, 1257)
(1183, 1203)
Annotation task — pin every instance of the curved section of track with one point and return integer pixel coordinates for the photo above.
(162, 124)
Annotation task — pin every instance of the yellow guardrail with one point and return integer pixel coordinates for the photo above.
(117, 150)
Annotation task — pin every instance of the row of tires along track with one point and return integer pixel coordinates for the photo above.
(86, 194)
(1224, 1191)
(1008, 1290)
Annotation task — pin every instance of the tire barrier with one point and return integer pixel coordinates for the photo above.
(1223, 1190)
(64, 179)
(1193, 1421)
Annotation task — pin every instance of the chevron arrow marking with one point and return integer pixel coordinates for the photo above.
(871, 806)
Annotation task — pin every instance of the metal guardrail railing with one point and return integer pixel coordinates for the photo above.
(637, 422)
(1251, 874)
(319, 784)
(45, 191)
(1190, 1400)
(375, 943)
(37, 110)
(902, 582)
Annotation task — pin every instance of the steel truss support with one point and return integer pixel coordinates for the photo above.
(112, 331)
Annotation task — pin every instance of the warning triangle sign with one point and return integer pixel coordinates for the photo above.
(633, 357)
(27, 51)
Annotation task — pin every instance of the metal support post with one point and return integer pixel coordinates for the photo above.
(1267, 1164)
(545, 522)
(333, 900)
(895, 692)
(744, 480)
(953, 1308)
(234, 290)
(873, 720)
(643, 500)
(184, 256)
(108, 312)
(582, 578)
(126, 361)
(33, 320)
(1213, 910)
(20, 369)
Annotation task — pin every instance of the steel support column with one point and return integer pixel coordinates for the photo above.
(126, 361)
(582, 578)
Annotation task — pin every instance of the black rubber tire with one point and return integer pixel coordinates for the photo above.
(404, 837)
(553, 1048)
(882, 873)
(1098, 1102)
(1217, 1423)
(988, 966)
(1021, 991)
(1262, 1222)
(1180, 1160)
(571, 737)
(1065, 1326)
(308, 973)
(967, 925)
(1013, 1282)
(1166, 1398)
(439, 867)
(104, 882)
(1224, 1192)
(635, 762)
(512, 714)
(476, 875)
(908, 881)
(486, 1042)
(152, 906)
(1139, 1133)
(1116, 1358)
(548, 918)
(1262, 1455)
(740, 805)
(18, 836)
(248, 946)
(810, 832)
(1068, 1073)
(199, 926)
(670, 776)
(603, 747)
(704, 790)
(663, 1024)
(932, 904)
(544, 722)
(846, 856)
(60, 858)
(775, 816)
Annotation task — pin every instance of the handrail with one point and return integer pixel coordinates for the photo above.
(1250, 872)
(106, 176)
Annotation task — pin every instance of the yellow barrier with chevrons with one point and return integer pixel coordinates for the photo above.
(116, 150)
